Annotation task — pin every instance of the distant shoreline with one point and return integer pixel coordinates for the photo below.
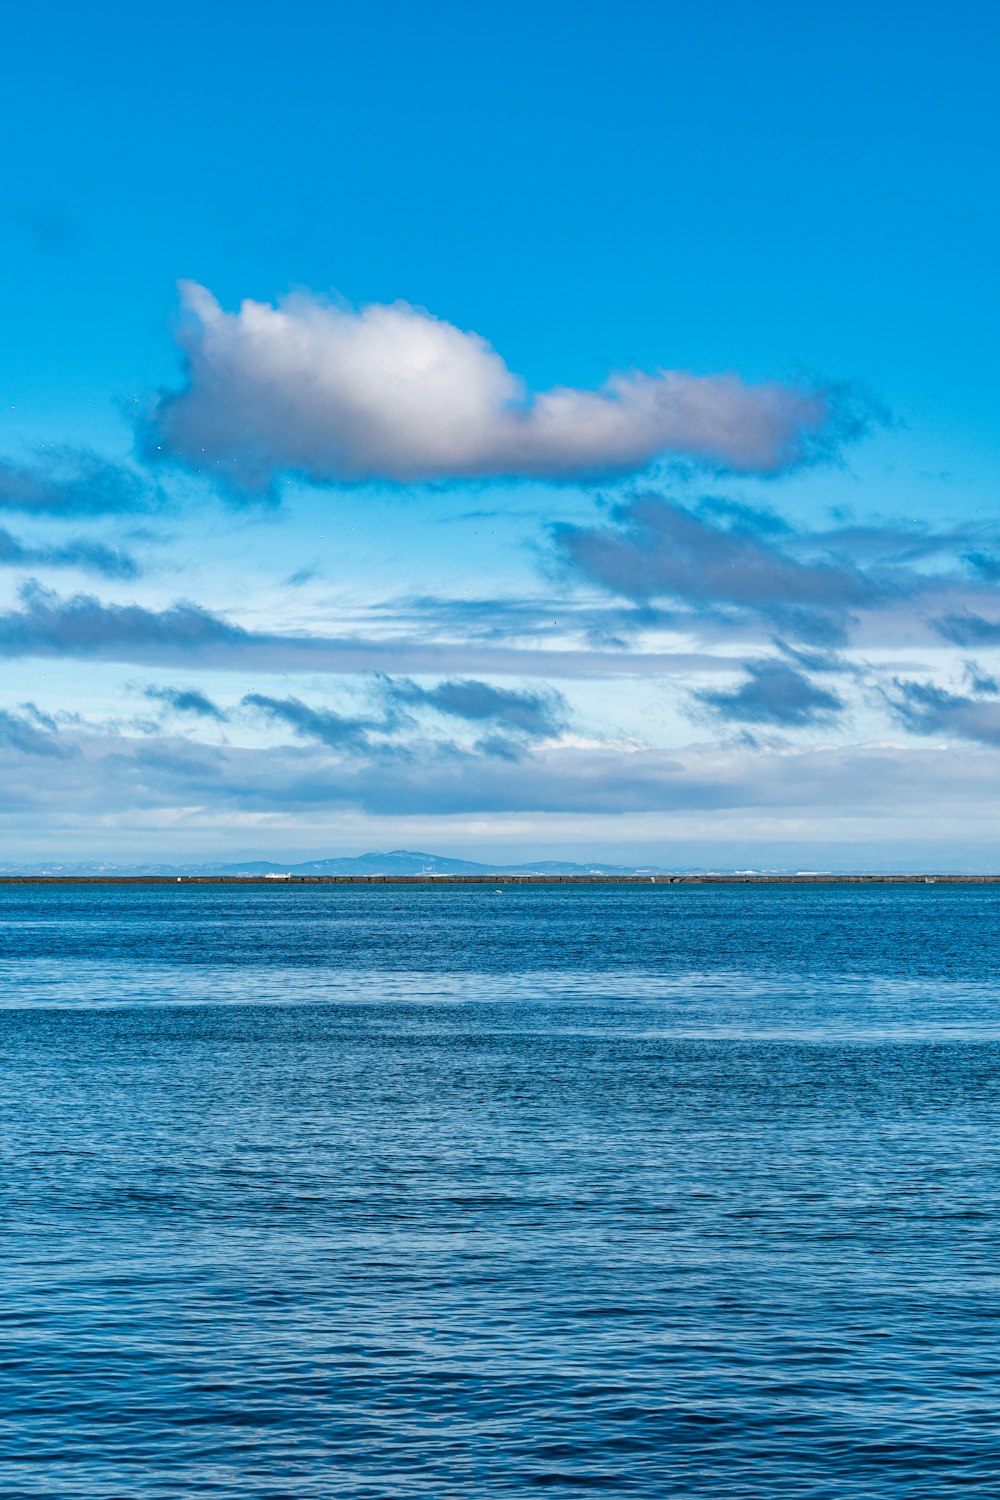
(495, 880)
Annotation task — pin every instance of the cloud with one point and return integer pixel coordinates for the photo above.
(186, 701)
(986, 566)
(119, 774)
(83, 627)
(529, 714)
(729, 565)
(969, 629)
(927, 709)
(655, 548)
(391, 392)
(774, 692)
(67, 481)
(32, 733)
(338, 731)
(910, 542)
(521, 716)
(981, 683)
(77, 552)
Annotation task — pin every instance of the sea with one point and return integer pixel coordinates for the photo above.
(425, 1191)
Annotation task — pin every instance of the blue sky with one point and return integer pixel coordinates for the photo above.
(503, 430)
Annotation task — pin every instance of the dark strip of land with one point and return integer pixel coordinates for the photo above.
(495, 880)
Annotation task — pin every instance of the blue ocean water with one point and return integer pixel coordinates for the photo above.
(663, 1191)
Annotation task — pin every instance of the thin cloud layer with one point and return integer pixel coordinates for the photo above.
(120, 773)
(393, 393)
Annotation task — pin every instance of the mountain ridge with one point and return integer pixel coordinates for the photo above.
(384, 862)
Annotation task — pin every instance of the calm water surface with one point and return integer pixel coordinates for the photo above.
(416, 1191)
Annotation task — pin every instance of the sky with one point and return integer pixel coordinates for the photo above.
(561, 431)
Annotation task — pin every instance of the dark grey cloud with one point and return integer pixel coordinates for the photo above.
(186, 701)
(927, 709)
(74, 482)
(76, 552)
(528, 713)
(392, 393)
(774, 692)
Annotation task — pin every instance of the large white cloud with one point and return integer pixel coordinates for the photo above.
(391, 392)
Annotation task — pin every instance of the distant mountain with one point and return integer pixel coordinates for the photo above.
(414, 862)
(391, 862)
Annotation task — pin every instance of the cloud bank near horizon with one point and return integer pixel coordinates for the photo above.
(392, 393)
(90, 773)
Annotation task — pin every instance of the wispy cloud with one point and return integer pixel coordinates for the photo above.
(391, 392)
(655, 548)
(186, 701)
(774, 692)
(76, 552)
(727, 564)
(324, 725)
(514, 717)
(33, 733)
(529, 713)
(83, 627)
(966, 628)
(72, 482)
(925, 708)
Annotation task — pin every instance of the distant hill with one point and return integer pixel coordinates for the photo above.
(391, 862)
(414, 862)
